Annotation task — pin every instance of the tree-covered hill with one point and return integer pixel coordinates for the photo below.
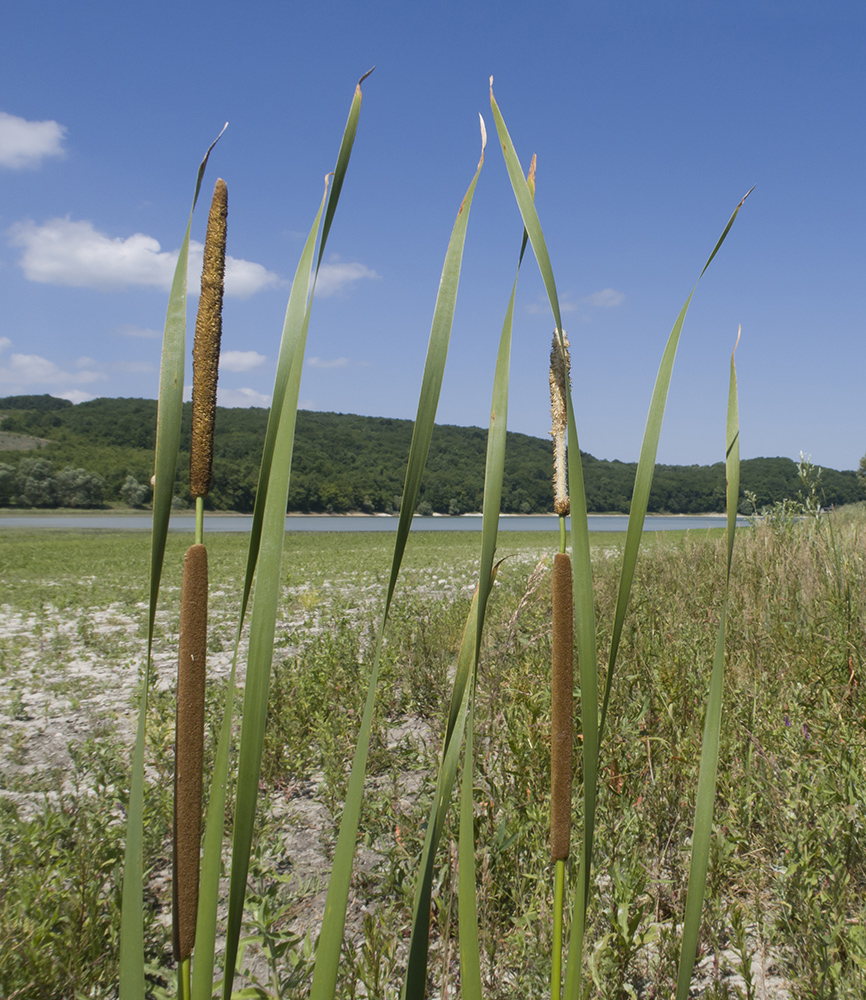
(341, 463)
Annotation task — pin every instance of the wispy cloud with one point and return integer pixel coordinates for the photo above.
(75, 395)
(542, 306)
(242, 398)
(337, 275)
(144, 332)
(328, 362)
(607, 298)
(25, 370)
(240, 361)
(336, 363)
(75, 253)
(26, 144)
(243, 277)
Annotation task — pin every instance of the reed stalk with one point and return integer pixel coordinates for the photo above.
(131, 984)
(192, 650)
(562, 655)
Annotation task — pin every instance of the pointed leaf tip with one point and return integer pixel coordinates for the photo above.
(483, 133)
(739, 331)
(364, 77)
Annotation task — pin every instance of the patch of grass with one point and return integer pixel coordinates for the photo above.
(788, 868)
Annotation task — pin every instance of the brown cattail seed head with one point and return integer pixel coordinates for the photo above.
(189, 749)
(560, 382)
(562, 708)
(206, 346)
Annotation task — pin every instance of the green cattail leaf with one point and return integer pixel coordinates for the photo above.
(291, 334)
(467, 904)
(645, 469)
(342, 163)
(706, 793)
(333, 923)
(131, 969)
(584, 610)
(416, 971)
(494, 472)
(265, 557)
(263, 622)
(462, 701)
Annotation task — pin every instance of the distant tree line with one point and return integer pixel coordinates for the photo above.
(343, 462)
(34, 482)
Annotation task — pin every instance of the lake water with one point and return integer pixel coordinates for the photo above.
(235, 522)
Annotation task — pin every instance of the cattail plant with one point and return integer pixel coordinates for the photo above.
(189, 739)
(574, 621)
(206, 347)
(562, 654)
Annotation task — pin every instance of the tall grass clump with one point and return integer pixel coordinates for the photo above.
(444, 850)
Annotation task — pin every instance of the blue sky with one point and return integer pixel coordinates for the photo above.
(650, 122)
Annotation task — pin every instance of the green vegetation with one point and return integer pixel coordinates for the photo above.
(788, 869)
(405, 897)
(346, 463)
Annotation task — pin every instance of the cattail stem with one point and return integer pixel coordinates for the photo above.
(562, 692)
(562, 707)
(189, 749)
(199, 520)
(558, 905)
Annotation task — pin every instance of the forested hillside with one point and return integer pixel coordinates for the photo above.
(102, 452)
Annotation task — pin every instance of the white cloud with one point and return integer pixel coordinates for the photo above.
(241, 398)
(128, 330)
(243, 277)
(542, 306)
(240, 361)
(336, 276)
(607, 298)
(63, 252)
(66, 252)
(75, 395)
(26, 144)
(30, 369)
(328, 362)
(4, 343)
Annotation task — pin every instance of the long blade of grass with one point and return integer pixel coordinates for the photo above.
(131, 969)
(261, 637)
(584, 610)
(295, 311)
(706, 793)
(333, 923)
(467, 904)
(470, 957)
(266, 534)
(645, 469)
(414, 985)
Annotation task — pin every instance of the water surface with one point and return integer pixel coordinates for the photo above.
(242, 522)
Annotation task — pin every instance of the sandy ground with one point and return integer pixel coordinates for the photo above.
(71, 674)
